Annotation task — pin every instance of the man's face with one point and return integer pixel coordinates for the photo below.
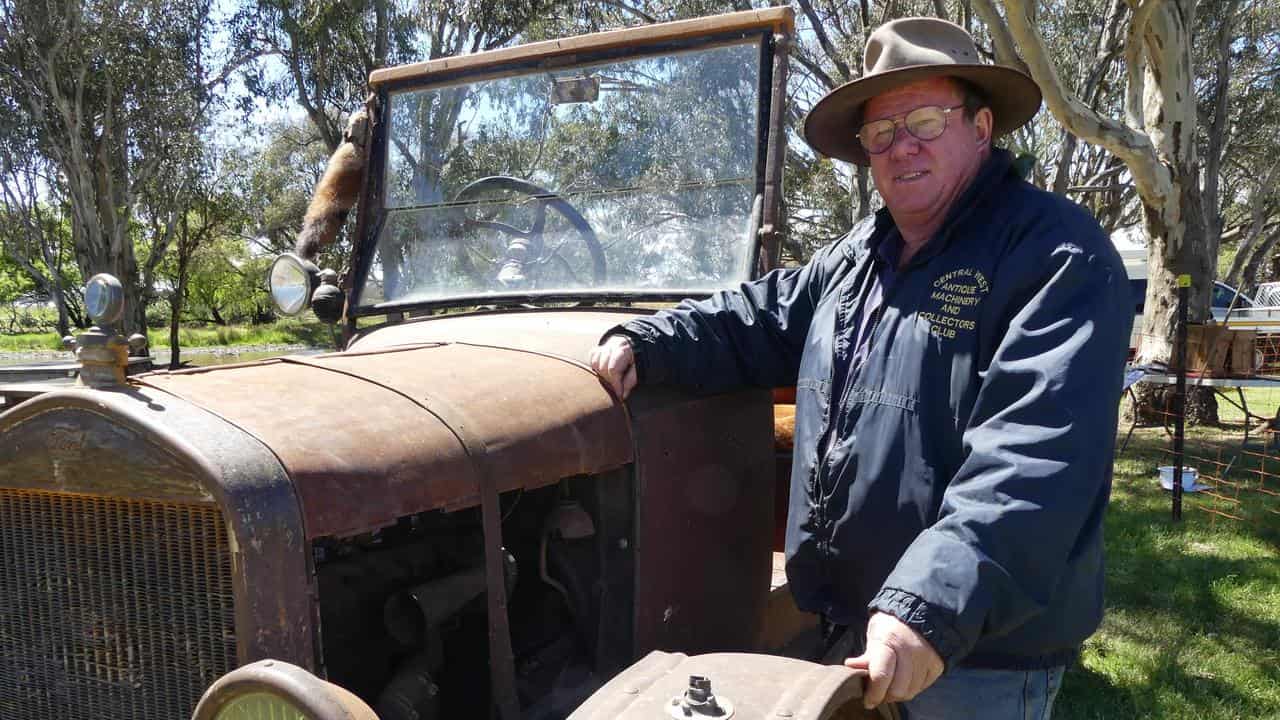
(919, 179)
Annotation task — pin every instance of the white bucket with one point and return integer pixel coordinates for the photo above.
(1190, 476)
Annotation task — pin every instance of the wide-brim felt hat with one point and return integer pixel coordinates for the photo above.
(902, 52)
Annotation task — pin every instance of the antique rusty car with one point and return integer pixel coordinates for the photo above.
(452, 513)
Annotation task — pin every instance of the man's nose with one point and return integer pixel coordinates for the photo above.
(904, 143)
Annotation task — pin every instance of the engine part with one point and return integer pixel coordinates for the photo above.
(570, 521)
(410, 615)
(546, 577)
(412, 693)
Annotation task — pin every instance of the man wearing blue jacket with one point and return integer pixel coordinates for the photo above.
(958, 360)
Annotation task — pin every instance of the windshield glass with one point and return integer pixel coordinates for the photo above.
(636, 175)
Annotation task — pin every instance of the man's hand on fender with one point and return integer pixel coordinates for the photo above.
(615, 363)
(899, 662)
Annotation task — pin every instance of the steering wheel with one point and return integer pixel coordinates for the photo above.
(524, 259)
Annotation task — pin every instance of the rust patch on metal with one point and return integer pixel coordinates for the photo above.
(756, 686)
(704, 519)
(357, 435)
(87, 450)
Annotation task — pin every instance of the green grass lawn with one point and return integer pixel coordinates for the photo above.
(1192, 628)
(26, 342)
(286, 331)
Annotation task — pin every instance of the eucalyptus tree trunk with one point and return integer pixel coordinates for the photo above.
(101, 216)
(1156, 141)
(861, 189)
(1170, 194)
(1172, 206)
(179, 295)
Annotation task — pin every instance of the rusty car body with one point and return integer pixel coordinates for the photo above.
(452, 513)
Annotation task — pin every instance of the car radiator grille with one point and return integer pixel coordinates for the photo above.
(110, 608)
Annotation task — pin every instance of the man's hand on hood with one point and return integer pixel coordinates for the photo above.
(615, 362)
(899, 662)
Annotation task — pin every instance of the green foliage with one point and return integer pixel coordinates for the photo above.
(293, 332)
(819, 204)
(329, 48)
(286, 331)
(227, 284)
(24, 316)
(158, 314)
(274, 181)
(109, 98)
(14, 282)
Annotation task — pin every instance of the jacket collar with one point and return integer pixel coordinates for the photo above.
(993, 173)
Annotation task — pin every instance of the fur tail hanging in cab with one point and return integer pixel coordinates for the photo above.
(338, 191)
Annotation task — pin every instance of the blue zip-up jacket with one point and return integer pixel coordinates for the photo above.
(965, 488)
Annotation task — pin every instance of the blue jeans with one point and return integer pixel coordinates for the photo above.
(971, 694)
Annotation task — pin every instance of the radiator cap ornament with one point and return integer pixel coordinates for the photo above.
(102, 351)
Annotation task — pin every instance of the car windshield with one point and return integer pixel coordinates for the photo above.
(636, 175)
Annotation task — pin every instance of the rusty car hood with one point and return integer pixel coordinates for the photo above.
(389, 427)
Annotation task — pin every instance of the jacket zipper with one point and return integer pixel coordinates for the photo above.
(830, 428)
(833, 406)
(887, 294)
(823, 466)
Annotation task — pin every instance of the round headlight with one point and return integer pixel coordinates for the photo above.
(259, 706)
(291, 281)
(104, 299)
(274, 690)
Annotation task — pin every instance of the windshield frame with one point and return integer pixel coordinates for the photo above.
(771, 34)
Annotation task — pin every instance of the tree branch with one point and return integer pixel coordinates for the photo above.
(816, 70)
(1097, 188)
(1136, 149)
(1135, 62)
(1258, 221)
(1006, 50)
(1216, 129)
(825, 41)
(889, 12)
(628, 9)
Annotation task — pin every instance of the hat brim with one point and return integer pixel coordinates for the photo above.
(1014, 98)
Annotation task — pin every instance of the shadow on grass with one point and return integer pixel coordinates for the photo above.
(1090, 694)
(1172, 686)
(1193, 612)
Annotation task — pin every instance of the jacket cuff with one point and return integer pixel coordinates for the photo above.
(640, 345)
(933, 623)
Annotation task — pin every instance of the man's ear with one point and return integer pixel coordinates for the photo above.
(983, 122)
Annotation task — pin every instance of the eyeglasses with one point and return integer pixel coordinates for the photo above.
(924, 123)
